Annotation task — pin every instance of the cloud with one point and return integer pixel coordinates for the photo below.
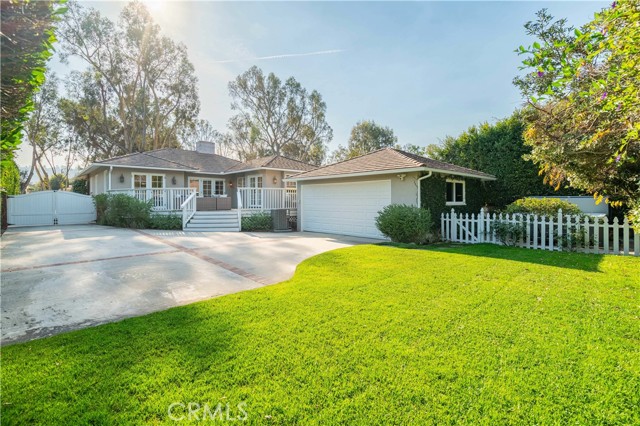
(287, 55)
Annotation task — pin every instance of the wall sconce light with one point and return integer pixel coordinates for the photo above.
(275, 180)
(230, 184)
(402, 176)
(173, 180)
(121, 178)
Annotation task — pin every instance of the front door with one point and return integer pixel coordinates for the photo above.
(255, 191)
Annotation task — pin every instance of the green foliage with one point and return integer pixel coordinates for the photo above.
(405, 224)
(543, 206)
(366, 335)
(276, 117)
(58, 181)
(122, 211)
(165, 221)
(434, 195)
(26, 40)
(10, 178)
(582, 89)
(509, 234)
(366, 136)
(257, 222)
(497, 149)
(80, 186)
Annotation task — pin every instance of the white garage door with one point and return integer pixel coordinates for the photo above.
(344, 208)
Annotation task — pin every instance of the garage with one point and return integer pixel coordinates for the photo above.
(344, 208)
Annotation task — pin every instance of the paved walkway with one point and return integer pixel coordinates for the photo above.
(56, 279)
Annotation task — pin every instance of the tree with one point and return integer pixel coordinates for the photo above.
(26, 42)
(10, 178)
(583, 95)
(497, 149)
(80, 186)
(57, 182)
(366, 136)
(275, 118)
(140, 89)
(203, 130)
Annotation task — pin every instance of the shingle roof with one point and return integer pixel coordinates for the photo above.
(174, 158)
(389, 159)
(273, 162)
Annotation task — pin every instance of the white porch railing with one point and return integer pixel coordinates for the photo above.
(188, 209)
(558, 232)
(163, 199)
(267, 198)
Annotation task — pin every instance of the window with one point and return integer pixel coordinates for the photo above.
(241, 182)
(140, 181)
(147, 181)
(218, 187)
(455, 192)
(206, 188)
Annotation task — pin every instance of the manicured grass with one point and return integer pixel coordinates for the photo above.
(364, 335)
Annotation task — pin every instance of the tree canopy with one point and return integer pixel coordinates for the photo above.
(366, 136)
(583, 95)
(275, 117)
(497, 149)
(139, 90)
(26, 42)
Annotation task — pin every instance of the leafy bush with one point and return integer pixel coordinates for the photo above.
(542, 206)
(10, 178)
(509, 233)
(257, 222)
(165, 221)
(80, 186)
(405, 224)
(122, 211)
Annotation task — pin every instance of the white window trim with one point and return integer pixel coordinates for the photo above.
(213, 185)
(254, 176)
(148, 175)
(464, 193)
(244, 182)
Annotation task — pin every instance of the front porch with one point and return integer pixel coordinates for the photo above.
(246, 199)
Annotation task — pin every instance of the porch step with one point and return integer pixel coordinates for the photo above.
(213, 221)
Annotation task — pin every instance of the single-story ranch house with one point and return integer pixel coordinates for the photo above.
(211, 191)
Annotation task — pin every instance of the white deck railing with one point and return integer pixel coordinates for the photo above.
(188, 209)
(167, 199)
(558, 232)
(267, 198)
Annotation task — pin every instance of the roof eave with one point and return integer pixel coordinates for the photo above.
(391, 171)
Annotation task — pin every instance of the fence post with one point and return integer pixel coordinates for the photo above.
(605, 235)
(560, 229)
(596, 235)
(443, 231)
(454, 226)
(625, 236)
(586, 234)
(616, 236)
(481, 226)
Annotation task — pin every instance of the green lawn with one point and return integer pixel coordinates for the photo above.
(364, 335)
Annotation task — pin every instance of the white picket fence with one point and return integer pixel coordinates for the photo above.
(560, 232)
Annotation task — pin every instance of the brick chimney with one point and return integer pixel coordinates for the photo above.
(206, 147)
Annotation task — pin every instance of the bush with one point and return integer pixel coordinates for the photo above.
(509, 233)
(542, 206)
(165, 221)
(257, 222)
(405, 224)
(122, 211)
(10, 178)
(79, 186)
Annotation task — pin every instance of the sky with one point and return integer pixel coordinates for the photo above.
(425, 69)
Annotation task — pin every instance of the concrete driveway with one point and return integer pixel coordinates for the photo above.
(56, 279)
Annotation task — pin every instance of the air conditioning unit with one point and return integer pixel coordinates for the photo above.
(279, 220)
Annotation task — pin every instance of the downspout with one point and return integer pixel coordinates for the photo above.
(109, 185)
(420, 187)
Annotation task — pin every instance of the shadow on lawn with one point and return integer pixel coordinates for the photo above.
(580, 261)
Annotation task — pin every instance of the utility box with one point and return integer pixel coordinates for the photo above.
(279, 220)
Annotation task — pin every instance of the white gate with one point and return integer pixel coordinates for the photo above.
(50, 208)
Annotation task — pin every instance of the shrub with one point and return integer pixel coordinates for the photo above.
(79, 186)
(509, 233)
(257, 222)
(542, 206)
(122, 211)
(405, 224)
(165, 221)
